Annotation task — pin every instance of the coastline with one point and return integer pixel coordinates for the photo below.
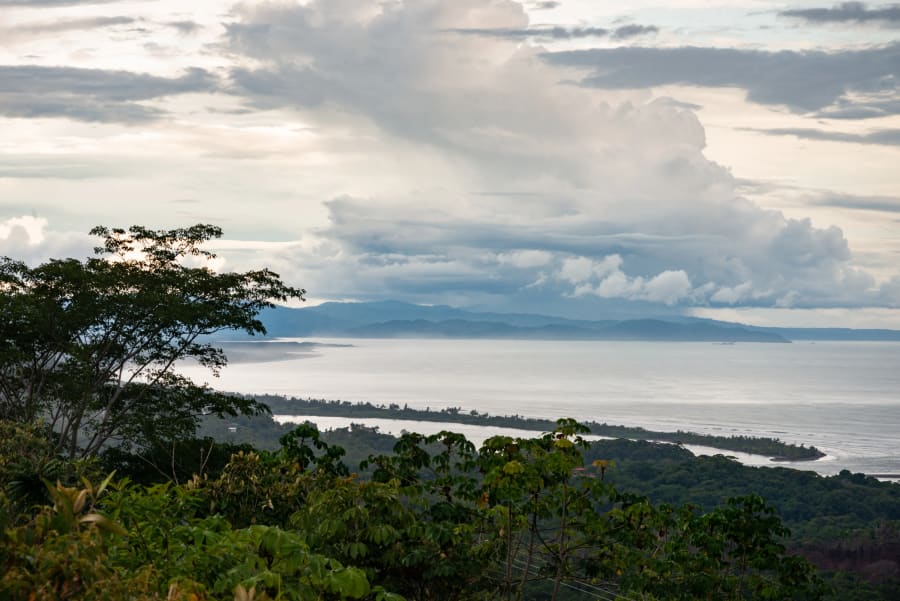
(773, 449)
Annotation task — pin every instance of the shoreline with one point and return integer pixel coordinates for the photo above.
(775, 449)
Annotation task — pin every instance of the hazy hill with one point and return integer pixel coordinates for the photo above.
(394, 319)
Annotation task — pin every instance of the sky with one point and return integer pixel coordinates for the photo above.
(729, 159)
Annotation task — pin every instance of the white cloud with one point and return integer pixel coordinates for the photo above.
(729, 295)
(669, 287)
(28, 239)
(395, 156)
(595, 179)
(525, 258)
(576, 269)
(24, 231)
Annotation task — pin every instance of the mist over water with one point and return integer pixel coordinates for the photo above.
(839, 396)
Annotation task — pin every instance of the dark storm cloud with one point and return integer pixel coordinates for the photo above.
(886, 137)
(848, 12)
(31, 91)
(801, 80)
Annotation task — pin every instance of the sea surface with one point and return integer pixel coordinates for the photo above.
(842, 397)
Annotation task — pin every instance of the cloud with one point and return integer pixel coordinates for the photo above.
(597, 193)
(30, 30)
(607, 280)
(184, 27)
(30, 91)
(883, 137)
(544, 5)
(882, 204)
(525, 259)
(61, 167)
(27, 238)
(630, 31)
(730, 295)
(766, 260)
(872, 107)
(27, 29)
(577, 269)
(849, 12)
(544, 32)
(53, 3)
(560, 32)
(803, 81)
(890, 292)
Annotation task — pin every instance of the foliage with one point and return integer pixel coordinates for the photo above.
(61, 552)
(178, 461)
(518, 519)
(267, 488)
(87, 350)
(815, 507)
(294, 447)
(529, 513)
(27, 462)
(837, 522)
(89, 345)
(158, 548)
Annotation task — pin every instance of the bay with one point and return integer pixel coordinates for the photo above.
(839, 396)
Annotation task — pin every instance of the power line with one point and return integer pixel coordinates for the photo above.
(602, 594)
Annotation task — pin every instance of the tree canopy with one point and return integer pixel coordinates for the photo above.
(89, 346)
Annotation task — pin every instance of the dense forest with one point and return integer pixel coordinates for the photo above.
(848, 525)
(434, 518)
(108, 493)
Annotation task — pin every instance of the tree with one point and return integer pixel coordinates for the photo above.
(90, 346)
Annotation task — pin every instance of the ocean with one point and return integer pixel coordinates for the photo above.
(842, 397)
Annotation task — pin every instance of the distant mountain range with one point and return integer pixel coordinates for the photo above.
(394, 319)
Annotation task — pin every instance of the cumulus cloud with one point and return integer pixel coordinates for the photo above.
(597, 191)
(804, 81)
(730, 295)
(607, 280)
(28, 238)
(31, 91)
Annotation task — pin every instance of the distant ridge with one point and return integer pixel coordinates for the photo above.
(395, 319)
(642, 329)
